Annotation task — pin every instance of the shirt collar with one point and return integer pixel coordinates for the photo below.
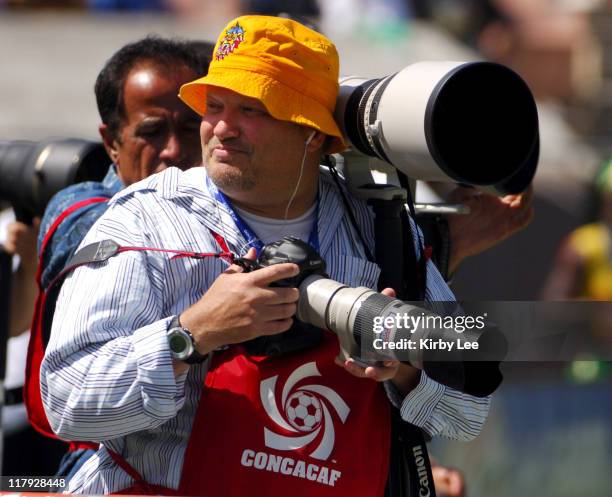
(192, 190)
(112, 181)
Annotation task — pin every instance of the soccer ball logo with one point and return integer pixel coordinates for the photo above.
(303, 411)
(304, 417)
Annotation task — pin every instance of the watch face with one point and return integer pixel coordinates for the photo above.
(180, 343)
(177, 343)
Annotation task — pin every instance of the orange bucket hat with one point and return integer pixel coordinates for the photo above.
(290, 68)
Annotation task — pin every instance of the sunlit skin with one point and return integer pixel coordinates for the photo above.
(158, 130)
(255, 159)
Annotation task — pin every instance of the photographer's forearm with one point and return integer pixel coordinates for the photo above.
(455, 259)
(21, 241)
(406, 379)
(23, 296)
(490, 221)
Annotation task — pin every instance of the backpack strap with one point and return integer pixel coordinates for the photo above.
(36, 346)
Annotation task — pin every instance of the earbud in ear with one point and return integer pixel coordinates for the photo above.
(309, 139)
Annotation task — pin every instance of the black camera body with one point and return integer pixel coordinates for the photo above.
(301, 335)
(293, 250)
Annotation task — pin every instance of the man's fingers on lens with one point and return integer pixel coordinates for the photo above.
(373, 373)
(386, 371)
(389, 292)
(381, 373)
(351, 366)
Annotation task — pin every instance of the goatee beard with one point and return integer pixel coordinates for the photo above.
(231, 179)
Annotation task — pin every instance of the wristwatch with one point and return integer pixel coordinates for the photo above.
(182, 344)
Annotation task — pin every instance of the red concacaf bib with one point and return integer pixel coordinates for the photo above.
(296, 425)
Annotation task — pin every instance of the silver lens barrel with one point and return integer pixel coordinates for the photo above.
(330, 305)
(361, 317)
(351, 312)
(468, 122)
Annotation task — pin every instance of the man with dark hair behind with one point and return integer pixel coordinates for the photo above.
(145, 129)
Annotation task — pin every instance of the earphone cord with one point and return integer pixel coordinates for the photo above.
(297, 185)
(291, 199)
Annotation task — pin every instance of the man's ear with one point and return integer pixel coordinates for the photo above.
(109, 141)
(316, 142)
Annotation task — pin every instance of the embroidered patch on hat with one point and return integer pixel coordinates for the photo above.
(234, 36)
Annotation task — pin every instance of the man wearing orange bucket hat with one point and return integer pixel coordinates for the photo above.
(164, 360)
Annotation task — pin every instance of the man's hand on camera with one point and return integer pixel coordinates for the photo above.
(21, 241)
(241, 306)
(404, 377)
(491, 220)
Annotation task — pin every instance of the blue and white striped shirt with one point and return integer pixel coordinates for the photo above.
(107, 375)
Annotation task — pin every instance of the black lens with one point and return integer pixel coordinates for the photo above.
(32, 172)
(16, 171)
(481, 123)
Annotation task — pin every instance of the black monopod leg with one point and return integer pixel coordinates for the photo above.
(6, 271)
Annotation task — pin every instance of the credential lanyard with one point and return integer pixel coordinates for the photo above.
(248, 234)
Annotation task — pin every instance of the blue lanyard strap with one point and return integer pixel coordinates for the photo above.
(248, 234)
